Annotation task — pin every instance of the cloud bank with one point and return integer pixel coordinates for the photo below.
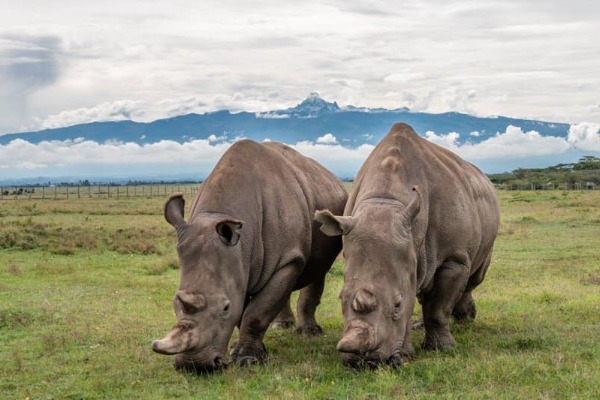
(510, 149)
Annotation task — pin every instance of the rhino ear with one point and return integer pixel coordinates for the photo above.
(332, 225)
(174, 210)
(228, 231)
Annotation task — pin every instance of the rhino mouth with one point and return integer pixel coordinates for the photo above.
(372, 361)
(200, 365)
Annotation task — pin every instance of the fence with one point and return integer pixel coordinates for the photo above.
(550, 186)
(53, 192)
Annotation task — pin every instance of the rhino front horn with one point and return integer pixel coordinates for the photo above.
(180, 339)
(357, 339)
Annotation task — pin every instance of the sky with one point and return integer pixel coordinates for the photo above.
(66, 62)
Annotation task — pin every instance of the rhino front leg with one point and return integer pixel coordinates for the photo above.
(309, 299)
(260, 312)
(449, 285)
(285, 319)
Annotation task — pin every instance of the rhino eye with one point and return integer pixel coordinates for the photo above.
(398, 302)
(226, 308)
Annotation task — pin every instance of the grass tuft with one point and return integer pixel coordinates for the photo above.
(16, 318)
(13, 269)
(592, 279)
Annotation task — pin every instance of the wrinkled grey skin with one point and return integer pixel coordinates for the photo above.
(249, 242)
(420, 223)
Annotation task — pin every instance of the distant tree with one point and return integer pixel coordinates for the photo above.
(588, 163)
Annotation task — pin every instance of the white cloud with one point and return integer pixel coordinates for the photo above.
(448, 141)
(475, 134)
(328, 138)
(272, 115)
(22, 154)
(511, 144)
(585, 136)
(214, 138)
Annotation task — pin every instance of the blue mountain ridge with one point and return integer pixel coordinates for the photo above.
(312, 118)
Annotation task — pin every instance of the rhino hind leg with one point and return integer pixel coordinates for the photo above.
(465, 310)
(450, 281)
(310, 298)
(285, 319)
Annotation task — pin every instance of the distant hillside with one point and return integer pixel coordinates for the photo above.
(312, 118)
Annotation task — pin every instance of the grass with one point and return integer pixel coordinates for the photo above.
(86, 284)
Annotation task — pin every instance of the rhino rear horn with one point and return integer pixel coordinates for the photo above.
(332, 225)
(413, 208)
(364, 302)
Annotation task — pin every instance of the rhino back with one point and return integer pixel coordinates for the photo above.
(273, 189)
(323, 190)
(459, 214)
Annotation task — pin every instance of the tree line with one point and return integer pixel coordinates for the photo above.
(585, 173)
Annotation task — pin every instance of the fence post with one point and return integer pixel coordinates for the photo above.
(1, 192)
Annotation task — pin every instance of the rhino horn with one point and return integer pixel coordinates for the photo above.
(356, 339)
(180, 339)
(364, 301)
(413, 208)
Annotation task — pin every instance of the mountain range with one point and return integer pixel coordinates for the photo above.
(314, 117)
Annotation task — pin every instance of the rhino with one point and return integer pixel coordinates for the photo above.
(420, 223)
(250, 240)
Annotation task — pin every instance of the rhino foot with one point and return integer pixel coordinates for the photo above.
(310, 330)
(284, 324)
(247, 355)
(443, 343)
(465, 314)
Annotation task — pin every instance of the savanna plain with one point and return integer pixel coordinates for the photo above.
(87, 284)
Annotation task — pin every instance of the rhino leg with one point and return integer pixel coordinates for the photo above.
(260, 312)
(450, 281)
(285, 319)
(465, 310)
(309, 299)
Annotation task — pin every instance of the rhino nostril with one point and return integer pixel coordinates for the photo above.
(218, 361)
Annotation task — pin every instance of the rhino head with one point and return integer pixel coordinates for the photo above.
(212, 288)
(379, 291)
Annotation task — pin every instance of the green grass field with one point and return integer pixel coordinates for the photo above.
(86, 285)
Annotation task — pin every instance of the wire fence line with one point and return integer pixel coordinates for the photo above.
(62, 192)
(532, 186)
(59, 192)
